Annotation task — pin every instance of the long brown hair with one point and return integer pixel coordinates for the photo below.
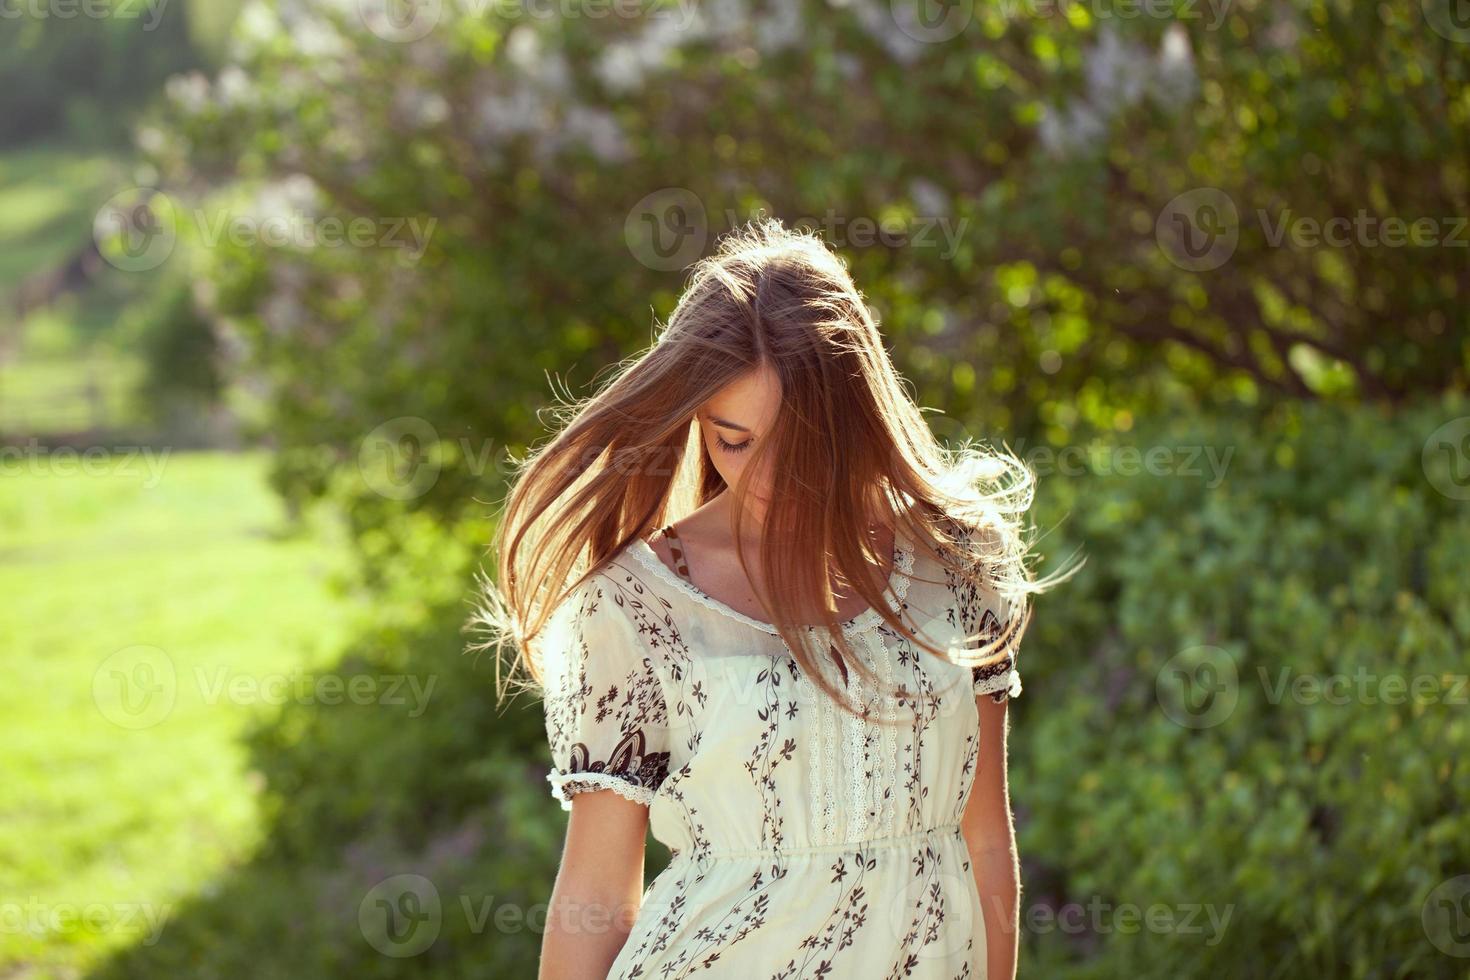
(854, 453)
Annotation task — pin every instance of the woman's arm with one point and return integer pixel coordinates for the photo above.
(992, 842)
(598, 889)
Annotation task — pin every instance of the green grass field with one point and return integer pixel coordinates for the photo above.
(48, 197)
(121, 583)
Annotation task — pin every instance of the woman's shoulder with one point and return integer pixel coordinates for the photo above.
(632, 580)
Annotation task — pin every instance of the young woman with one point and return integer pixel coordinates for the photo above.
(775, 621)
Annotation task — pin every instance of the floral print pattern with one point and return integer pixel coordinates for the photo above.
(805, 843)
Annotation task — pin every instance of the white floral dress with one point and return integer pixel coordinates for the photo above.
(805, 842)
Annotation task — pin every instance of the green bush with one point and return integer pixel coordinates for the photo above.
(1321, 548)
(1009, 193)
(1321, 818)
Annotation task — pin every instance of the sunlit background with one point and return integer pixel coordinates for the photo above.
(285, 285)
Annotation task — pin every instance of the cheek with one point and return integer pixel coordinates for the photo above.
(730, 466)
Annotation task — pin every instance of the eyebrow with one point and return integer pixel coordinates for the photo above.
(726, 424)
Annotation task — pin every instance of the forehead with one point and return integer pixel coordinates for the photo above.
(751, 400)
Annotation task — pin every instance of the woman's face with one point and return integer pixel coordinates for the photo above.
(734, 419)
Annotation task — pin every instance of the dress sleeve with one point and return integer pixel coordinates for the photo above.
(1001, 679)
(606, 719)
(985, 612)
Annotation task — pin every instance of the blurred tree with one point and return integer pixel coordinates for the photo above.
(1006, 184)
(80, 70)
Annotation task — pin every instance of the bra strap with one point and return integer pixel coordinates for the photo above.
(676, 551)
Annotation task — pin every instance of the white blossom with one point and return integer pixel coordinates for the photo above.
(1119, 74)
(779, 29)
(1071, 128)
(233, 87)
(598, 131)
(928, 197)
(189, 92)
(1175, 79)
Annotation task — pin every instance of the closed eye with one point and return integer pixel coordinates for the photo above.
(733, 447)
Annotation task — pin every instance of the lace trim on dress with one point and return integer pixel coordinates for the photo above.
(862, 747)
(1007, 684)
(565, 785)
(841, 809)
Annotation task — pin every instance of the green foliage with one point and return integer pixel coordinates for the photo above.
(1002, 195)
(77, 69)
(1312, 828)
(1029, 276)
(184, 362)
(1325, 573)
(429, 779)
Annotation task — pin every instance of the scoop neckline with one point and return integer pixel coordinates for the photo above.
(897, 586)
